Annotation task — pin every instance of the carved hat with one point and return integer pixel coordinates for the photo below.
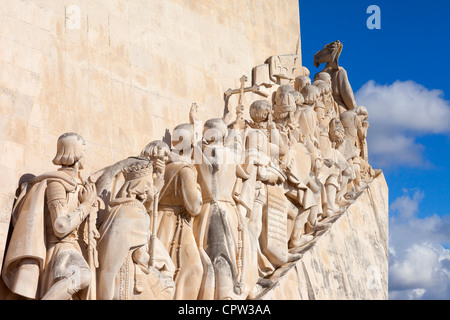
(285, 103)
(362, 111)
(329, 54)
(323, 75)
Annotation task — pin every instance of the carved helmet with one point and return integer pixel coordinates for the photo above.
(285, 103)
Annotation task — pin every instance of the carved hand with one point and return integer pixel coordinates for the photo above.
(159, 166)
(193, 113)
(228, 118)
(88, 194)
(272, 178)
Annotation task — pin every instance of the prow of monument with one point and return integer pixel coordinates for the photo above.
(180, 151)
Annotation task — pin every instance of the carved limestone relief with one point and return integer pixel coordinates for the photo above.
(212, 216)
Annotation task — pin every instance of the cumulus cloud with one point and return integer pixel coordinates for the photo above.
(419, 261)
(398, 114)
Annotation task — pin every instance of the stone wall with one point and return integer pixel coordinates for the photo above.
(121, 73)
(348, 261)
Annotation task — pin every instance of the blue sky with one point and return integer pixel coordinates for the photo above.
(400, 73)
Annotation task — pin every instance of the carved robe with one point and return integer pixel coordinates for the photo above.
(226, 246)
(342, 90)
(180, 201)
(36, 258)
(123, 250)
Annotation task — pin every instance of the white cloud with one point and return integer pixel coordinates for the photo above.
(398, 114)
(406, 206)
(419, 263)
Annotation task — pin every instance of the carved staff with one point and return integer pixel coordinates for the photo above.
(155, 219)
(163, 157)
(240, 107)
(92, 236)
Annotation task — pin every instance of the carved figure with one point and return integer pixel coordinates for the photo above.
(45, 257)
(355, 126)
(297, 161)
(133, 264)
(343, 145)
(342, 90)
(180, 202)
(267, 222)
(222, 234)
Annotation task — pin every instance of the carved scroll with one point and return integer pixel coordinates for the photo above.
(273, 240)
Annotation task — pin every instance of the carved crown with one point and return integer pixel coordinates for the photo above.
(137, 170)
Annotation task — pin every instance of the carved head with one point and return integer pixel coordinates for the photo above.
(298, 97)
(329, 54)
(337, 132)
(70, 150)
(183, 137)
(156, 149)
(311, 94)
(325, 76)
(260, 110)
(319, 108)
(323, 86)
(362, 112)
(284, 106)
(138, 182)
(215, 130)
(300, 82)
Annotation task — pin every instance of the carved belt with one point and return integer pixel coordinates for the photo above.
(219, 199)
(176, 210)
(172, 208)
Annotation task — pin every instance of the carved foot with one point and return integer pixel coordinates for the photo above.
(343, 202)
(295, 243)
(255, 292)
(294, 257)
(318, 226)
(265, 283)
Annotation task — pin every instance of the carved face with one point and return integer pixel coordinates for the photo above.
(144, 191)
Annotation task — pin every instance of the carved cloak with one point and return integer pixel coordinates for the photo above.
(126, 228)
(28, 219)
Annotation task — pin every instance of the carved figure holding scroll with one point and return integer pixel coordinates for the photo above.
(267, 222)
(296, 161)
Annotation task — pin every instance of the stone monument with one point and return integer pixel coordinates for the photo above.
(196, 159)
